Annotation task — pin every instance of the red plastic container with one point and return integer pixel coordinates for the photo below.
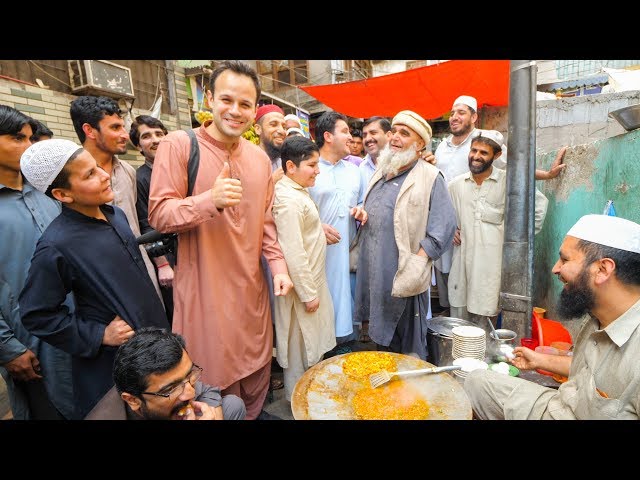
(531, 343)
(548, 332)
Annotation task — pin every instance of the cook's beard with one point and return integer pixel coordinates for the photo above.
(390, 162)
(576, 298)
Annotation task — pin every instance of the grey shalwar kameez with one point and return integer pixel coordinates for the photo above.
(392, 320)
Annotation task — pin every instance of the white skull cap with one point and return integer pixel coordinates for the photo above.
(468, 101)
(610, 231)
(291, 116)
(43, 161)
(494, 135)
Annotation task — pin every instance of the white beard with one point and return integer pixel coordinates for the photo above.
(390, 162)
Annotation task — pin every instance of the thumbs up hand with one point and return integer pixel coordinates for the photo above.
(226, 191)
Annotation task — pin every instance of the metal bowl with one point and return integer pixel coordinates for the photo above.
(628, 117)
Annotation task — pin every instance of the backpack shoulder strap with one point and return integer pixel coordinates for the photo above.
(194, 162)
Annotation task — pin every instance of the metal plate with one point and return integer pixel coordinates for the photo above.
(444, 325)
(324, 392)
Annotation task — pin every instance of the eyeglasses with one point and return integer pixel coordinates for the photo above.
(176, 390)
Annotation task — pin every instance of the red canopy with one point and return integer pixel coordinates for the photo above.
(428, 91)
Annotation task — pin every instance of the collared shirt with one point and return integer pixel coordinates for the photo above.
(604, 379)
(356, 160)
(124, 186)
(337, 189)
(604, 360)
(453, 160)
(221, 301)
(304, 247)
(367, 167)
(24, 215)
(475, 276)
(474, 279)
(99, 261)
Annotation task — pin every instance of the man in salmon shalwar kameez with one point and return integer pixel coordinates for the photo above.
(221, 303)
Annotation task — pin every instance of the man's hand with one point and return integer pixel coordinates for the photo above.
(422, 253)
(117, 332)
(165, 276)
(281, 284)
(226, 191)
(202, 411)
(359, 214)
(332, 235)
(24, 367)
(277, 175)
(525, 358)
(457, 241)
(556, 167)
(312, 306)
(428, 157)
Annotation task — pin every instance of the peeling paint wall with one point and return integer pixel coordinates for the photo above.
(596, 172)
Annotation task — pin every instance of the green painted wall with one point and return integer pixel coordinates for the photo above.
(604, 170)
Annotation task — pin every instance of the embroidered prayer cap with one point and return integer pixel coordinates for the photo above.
(494, 135)
(415, 122)
(610, 231)
(292, 116)
(264, 109)
(295, 130)
(466, 100)
(43, 161)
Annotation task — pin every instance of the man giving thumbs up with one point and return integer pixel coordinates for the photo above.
(226, 191)
(220, 294)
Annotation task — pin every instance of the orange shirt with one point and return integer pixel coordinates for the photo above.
(221, 302)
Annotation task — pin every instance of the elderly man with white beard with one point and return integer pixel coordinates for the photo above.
(411, 222)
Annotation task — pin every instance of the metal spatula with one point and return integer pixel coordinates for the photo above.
(382, 377)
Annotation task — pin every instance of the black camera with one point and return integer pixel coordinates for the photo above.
(158, 244)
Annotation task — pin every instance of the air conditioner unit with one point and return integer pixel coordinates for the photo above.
(99, 77)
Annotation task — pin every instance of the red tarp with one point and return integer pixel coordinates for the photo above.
(428, 91)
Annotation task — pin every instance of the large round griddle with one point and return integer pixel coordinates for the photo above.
(324, 392)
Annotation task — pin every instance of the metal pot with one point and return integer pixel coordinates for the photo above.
(440, 339)
(501, 349)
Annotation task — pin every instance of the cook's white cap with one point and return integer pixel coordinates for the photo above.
(610, 231)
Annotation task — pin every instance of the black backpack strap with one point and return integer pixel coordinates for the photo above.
(194, 162)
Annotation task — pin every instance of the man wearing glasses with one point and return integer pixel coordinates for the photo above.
(155, 379)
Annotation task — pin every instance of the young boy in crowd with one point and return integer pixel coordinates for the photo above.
(304, 318)
(89, 250)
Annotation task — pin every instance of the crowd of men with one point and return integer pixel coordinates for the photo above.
(303, 238)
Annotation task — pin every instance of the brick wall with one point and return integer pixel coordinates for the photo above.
(52, 109)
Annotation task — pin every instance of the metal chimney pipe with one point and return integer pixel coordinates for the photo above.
(517, 254)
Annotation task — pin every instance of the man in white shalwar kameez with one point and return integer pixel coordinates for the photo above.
(479, 200)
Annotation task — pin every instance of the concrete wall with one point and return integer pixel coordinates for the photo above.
(567, 121)
(52, 109)
(596, 172)
(580, 120)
